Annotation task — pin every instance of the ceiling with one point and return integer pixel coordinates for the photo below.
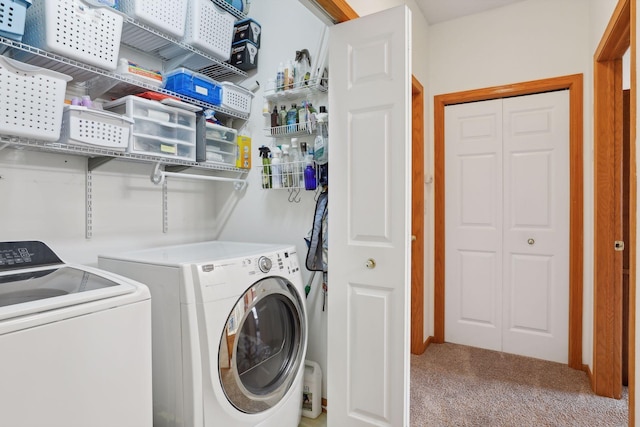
(444, 10)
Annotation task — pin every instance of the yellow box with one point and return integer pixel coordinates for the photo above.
(243, 159)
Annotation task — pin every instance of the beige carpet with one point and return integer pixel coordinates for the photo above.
(454, 385)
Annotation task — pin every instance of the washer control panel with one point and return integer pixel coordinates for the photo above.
(264, 264)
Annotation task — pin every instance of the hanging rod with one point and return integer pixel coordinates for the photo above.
(158, 176)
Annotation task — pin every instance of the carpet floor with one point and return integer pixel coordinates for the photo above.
(455, 385)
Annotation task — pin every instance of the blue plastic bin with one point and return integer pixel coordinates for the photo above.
(12, 18)
(194, 85)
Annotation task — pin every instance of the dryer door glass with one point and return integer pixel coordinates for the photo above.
(263, 345)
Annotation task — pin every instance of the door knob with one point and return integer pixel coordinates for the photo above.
(371, 263)
(413, 238)
(531, 241)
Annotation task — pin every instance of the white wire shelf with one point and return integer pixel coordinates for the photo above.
(174, 52)
(299, 129)
(314, 87)
(93, 78)
(99, 156)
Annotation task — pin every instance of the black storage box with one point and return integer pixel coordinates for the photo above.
(244, 55)
(247, 29)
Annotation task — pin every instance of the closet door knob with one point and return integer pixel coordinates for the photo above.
(371, 263)
(531, 241)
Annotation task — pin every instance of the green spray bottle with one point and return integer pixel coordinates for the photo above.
(266, 167)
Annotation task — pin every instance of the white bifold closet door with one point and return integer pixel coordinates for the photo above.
(507, 225)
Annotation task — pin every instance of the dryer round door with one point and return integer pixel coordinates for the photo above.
(262, 345)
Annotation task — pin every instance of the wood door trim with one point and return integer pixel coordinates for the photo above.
(418, 343)
(619, 35)
(338, 9)
(633, 191)
(574, 83)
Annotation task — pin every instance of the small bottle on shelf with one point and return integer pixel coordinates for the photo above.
(282, 118)
(310, 174)
(292, 119)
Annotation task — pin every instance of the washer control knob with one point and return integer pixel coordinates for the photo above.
(264, 264)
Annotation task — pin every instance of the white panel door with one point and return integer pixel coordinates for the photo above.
(369, 225)
(473, 225)
(507, 225)
(536, 226)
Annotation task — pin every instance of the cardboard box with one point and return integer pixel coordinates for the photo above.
(244, 152)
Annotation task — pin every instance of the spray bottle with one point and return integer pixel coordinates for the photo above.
(321, 143)
(266, 167)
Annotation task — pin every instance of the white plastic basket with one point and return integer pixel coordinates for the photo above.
(209, 29)
(168, 16)
(236, 98)
(95, 128)
(76, 30)
(32, 100)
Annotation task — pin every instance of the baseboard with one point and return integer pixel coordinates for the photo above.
(427, 343)
(423, 347)
(589, 374)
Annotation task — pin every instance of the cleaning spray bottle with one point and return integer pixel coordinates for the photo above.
(266, 167)
(321, 143)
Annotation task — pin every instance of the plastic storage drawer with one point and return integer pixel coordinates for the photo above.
(217, 144)
(32, 100)
(194, 85)
(236, 98)
(95, 128)
(167, 16)
(209, 29)
(12, 18)
(76, 30)
(158, 130)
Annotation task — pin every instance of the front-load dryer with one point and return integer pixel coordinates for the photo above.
(229, 332)
(75, 343)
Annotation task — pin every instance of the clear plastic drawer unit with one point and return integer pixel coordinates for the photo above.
(158, 129)
(218, 145)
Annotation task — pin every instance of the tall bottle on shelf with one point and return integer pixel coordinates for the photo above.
(296, 163)
(274, 119)
(266, 167)
(321, 143)
(283, 116)
(276, 168)
(292, 119)
(286, 170)
(280, 78)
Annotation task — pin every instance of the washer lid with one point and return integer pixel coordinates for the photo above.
(45, 288)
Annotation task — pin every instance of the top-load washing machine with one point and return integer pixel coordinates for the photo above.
(229, 332)
(75, 343)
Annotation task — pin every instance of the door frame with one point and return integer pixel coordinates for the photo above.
(418, 343)
(574, 83)
(619, 35)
